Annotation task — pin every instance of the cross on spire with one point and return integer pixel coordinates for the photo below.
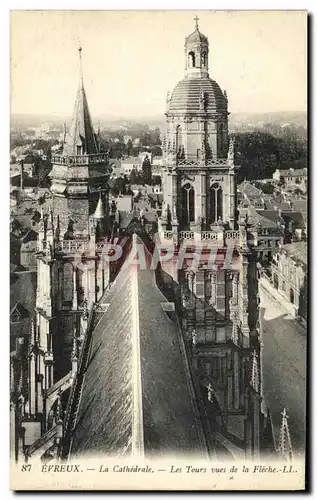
(196, 19)
(80, 63)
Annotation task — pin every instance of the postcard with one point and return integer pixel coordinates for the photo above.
(158, 236)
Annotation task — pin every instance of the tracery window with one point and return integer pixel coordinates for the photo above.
(188, 203)
(215, 203)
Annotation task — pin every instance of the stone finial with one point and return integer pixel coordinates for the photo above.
(85, 309)
(231, 151)
(74, 355)
(285, 445)
(58, 228)
(210, 392)
(203, 148)
(58, 414)
(32, 335)
(50, 251)
(164, 143)
(255, 379)
(194, 338)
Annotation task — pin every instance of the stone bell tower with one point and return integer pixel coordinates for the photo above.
(71, 276)
(218, 279)
(79, 175)
(199, 175)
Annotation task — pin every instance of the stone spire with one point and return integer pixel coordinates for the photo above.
(100, 210)
(285, 445)
(32, 338)
(81, 137)
(231, 152)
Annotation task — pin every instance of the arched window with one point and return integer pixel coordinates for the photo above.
(203, 60)
(191, 60)
(215, 203)
(291, 295)
(188, 204)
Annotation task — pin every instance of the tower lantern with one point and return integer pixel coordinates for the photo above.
(196, 53)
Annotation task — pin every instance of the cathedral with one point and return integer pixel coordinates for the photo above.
(137, 360)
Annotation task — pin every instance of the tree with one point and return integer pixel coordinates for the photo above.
(259, 154)
(133, 176)
(129, 147)
(147, 170)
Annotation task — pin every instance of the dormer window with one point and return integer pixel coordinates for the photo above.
(79, 150)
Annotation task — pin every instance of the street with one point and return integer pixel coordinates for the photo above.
(284, 368)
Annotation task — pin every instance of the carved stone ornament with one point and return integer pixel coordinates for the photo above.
(215, 179)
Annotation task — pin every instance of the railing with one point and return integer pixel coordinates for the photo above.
(80, 159)
(209, 235)
(72, 246)
(48, 436)
(192, 162)
(186, 235)
(64, 381)
(73, 401)
(168, 235)
(232, 235)
(75, 246)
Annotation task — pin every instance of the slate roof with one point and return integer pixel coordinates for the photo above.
(131, 160)
(296, 217)
(249, 190)
(196, 37)
(300, 205)
(20, 310)
(297, 251)
(266, 218)
(81, 132)
(137, 395)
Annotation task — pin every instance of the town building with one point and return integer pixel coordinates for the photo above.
(291, 176)
(289, 274)
(266, 232)
(131, 163)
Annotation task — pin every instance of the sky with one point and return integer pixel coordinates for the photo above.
(132, 58)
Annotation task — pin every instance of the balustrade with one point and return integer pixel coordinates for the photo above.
(232, 235)
(168, 235)
(209, 163)
(80, 159)
(209, 235)
(186, 235)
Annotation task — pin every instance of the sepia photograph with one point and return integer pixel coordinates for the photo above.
(158, 249)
